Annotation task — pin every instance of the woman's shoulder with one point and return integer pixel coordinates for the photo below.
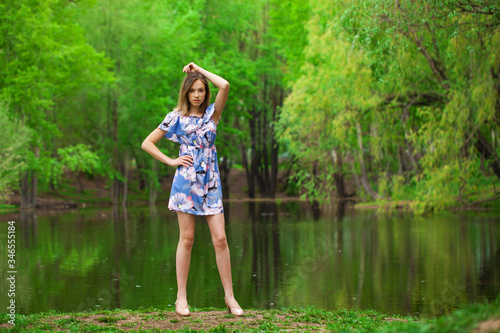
(209, 111)
(171, 118)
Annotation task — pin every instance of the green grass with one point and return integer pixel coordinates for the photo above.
(463, 320)
(147, 320)
(295, 319)
(4, 209)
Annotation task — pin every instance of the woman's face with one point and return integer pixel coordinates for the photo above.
(196, 93)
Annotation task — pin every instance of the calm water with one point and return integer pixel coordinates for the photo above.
(282, 255)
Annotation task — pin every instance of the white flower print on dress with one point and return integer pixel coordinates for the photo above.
(203, 165)
(179, 201)
(184, 120)
(213, 209)
(191, 128)
(199, 190)
(188, 173)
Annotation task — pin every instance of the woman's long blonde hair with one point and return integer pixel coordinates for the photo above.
(183, 103)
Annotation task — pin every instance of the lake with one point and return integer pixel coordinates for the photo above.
(283, 254)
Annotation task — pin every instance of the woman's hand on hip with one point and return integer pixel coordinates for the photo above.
(184, 160)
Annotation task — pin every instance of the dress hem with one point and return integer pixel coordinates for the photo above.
(191, 213)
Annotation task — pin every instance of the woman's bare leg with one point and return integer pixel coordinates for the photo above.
(183, 256)
(216, 224)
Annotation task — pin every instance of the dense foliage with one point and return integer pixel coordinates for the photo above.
(400, 97)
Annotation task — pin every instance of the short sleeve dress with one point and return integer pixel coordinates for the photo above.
(195, 190)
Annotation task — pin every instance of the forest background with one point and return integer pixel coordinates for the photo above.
(400, 97)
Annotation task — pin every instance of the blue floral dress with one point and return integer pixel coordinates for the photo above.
(195, 190)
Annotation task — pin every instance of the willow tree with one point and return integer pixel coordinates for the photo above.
(437, 66)
(423, 116)
(329, 108)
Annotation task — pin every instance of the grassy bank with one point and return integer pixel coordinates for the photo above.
(211, 320)
(480, 318)
(482, 193)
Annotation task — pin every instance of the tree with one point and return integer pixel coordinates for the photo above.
(412, 106)
(45, 61)
(12, 139)
(331, 103)
(149, 42)
(436, 62)
(239, 44)
(79, 159)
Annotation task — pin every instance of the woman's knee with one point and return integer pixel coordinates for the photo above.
(220, 242)
(186, 241)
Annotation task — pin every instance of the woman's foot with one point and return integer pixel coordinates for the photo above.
(181, 308)
(233, 307)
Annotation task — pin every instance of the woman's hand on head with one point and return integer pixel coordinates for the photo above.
(191, 67)
(184, 160)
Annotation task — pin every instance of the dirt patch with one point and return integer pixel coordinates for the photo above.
(155, 320)
(46, 202)
(492, 325)
(168, 320)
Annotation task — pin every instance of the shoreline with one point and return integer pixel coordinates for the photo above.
(479, 317)
(206, 319)
(54, 205)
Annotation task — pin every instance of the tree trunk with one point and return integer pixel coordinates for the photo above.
(277, 101)
(245, 163)
(401, 167)
(356, 177)
(25, 191)
(315, 204)
(496, 76)
(29, 187)
(34, 186)
(125, 182)
(338, 177)
(142, 175)
(364, 177)
(248, 171)
(488, 152)
(152, 183)
(257, 161)
(265, 155)
(254, 154)
(225, 169)
(115, 189)
(79, 182)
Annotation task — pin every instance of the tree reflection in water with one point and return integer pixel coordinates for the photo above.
(282, 254)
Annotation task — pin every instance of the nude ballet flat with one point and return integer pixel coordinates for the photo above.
(235, 311)
(182, 310)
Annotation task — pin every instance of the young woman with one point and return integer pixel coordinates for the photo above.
(196, 186)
